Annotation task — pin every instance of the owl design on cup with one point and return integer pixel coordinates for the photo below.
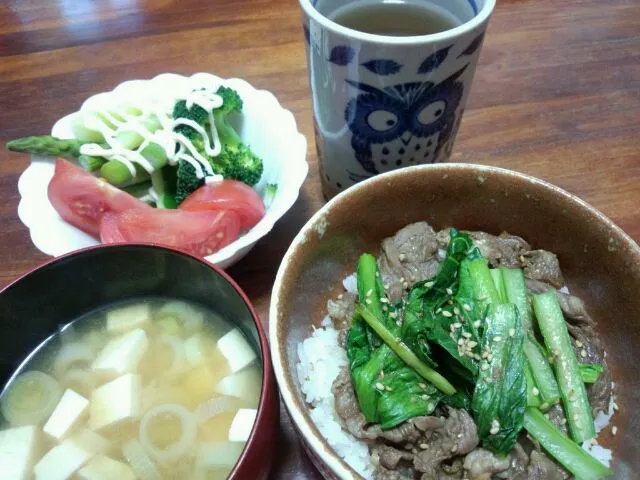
(404, 124)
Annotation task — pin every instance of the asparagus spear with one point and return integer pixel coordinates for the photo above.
(117, 173)
(572, 389)
(47, 146)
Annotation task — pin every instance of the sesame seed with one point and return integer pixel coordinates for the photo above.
(488, 380)
(459, 435)
(429, 284)
(544, 406)
(467, 307)
(369, 292)
(466, 335)
(495, 426)
(454, 448)
(446, 314)
(460, 341)
(340, 297)
(490, 357)
(414, 451)
(393, 314)
(452, 335)
(521, 259)
(399, 323)
(571, 395)
(563, 421)
(583, 353)
(385, 308)
(497, 339)
(615, 406)
(379, 386)
(422, 385)
(368, 301)
(377, 274)
(477, 323)
(576, 417)
(614, 430)
(456, 325)
(450, 302)
(484, 366)
(456, 311)
(472, 344)
(401, 279)
(381, 373)
(424, 446)
(512, 332)
(425, 397)
(535, 391)
(388, 389)
(405, 285)
(402, 256)
(384, 300)
(485, 354)
(579, 343)
(431, 406)
(438, 310)
(449, 291)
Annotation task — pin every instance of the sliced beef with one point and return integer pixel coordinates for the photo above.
(456, 436)
(544, 266)
(341, 309)
(557, 417)
(383, 473)
(542, 467)
(482, 464)
(410, 255)
(389, 457)
(504, 250)
(518, 461)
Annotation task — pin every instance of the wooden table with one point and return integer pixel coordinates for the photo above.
(556, 95)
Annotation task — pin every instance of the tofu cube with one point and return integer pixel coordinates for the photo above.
(69, 412)
(17, 452)
(105, 468)
(115, 402)
(236, 350)
(61, 462)
(123, 354)
(246, 385)
(90, 441)
(242, 425)
(122, 320)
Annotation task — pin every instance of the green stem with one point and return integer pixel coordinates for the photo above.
(562, 448)
(405, 353)
(484, 289)
(47, 146)
(572, 389)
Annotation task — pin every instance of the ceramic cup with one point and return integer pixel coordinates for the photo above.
(386, 102)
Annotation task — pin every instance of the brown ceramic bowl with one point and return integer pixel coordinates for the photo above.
(32, 308)
(600, 262)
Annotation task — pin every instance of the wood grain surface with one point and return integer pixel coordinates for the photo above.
(556, 95)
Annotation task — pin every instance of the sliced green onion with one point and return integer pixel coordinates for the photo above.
(218, 457)
(140, 463)
(191, 318)
(181, 445)
(30, 398)
(74, 354)
(216, 406)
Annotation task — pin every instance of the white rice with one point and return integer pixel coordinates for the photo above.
(351, 283)
(321, 358)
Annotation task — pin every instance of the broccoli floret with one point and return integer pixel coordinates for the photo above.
(187, 181)
(236, 161)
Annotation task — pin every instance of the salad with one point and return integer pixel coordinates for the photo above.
(160, 169)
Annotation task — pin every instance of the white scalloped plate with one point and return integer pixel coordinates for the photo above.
(268, 128)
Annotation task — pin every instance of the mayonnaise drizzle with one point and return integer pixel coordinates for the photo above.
(176, 146)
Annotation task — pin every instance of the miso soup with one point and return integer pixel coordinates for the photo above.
(151, 389)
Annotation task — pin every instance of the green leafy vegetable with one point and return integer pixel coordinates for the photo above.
(500, 395)
(590, 372)
(572, 389)
(559, 446)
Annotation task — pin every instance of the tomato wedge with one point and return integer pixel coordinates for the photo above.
(82, 199)
(229, 195)
(199, 233)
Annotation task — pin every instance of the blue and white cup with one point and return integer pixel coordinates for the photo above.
(384, 102)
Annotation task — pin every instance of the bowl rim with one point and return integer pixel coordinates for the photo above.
(267, 367)
(315, 441)
(287, 193)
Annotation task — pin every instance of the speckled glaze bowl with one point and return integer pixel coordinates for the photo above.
(600, 263)
(35, 305)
